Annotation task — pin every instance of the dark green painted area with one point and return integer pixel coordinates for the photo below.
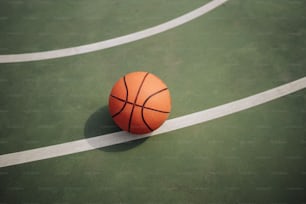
(38, 25)
(240, 49)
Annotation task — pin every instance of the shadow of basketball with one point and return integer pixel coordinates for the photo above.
(100, 123)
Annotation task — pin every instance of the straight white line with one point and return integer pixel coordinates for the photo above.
(35, 56)
(170, 125)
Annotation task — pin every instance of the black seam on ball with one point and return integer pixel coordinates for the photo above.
(144, 103)
(137, 105)
(126, 98)
(131, 115)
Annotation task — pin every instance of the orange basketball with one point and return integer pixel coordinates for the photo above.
(139, 102)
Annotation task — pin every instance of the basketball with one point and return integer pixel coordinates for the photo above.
(139, 102)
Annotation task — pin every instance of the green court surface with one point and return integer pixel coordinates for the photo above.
(239, 49)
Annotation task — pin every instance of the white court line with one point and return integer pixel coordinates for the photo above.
(169, 125)
(35, 56)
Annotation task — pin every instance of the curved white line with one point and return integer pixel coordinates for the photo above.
(35, 56)
(170, 125)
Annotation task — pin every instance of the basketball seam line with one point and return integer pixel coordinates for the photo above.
(126, 98)
(141, 106)
(144, 103)
(132, 111)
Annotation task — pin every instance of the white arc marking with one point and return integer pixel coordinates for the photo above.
(35, 56)
(170, 125)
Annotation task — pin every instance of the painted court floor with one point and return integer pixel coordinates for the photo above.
(236, 73)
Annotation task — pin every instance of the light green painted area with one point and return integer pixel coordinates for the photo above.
(240, 49)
